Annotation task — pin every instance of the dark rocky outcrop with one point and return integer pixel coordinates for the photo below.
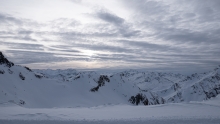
(213, 92)
(142, 99)
(38, 76)
(176, 98)
(101, 82)
(95, 89)
(28, 68)
(176, 86)
(77, 77)
(5, 61)
(103, 79)
(21, 102)
(138, 98)
(21, 76)
(2, 71)
(10, 71)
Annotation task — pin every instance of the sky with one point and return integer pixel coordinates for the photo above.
(164, 35)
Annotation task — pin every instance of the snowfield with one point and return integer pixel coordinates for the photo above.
(178, 113)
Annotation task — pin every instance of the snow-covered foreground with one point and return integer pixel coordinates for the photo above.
(152, 121)
(194, 112)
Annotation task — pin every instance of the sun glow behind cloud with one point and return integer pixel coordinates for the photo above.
(111, 34)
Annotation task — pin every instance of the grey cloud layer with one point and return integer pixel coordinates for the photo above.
(194, 21)
(111, 18)
(174, 33)
(6, 19)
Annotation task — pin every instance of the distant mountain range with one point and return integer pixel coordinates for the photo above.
(72, 88)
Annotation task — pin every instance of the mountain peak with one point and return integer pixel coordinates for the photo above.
(5, 61)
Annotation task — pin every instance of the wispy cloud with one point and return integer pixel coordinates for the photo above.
(181, 34)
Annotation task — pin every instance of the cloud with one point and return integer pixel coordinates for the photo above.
(184, 35)
(146, 46)
(31, 57)
(111, 18)
(122, 27)
(76, 1)
(181, 34)
(167, 22)
(23, 46)
(7, 19)
(25, 38)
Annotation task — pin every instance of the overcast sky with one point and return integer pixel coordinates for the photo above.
(179, 35)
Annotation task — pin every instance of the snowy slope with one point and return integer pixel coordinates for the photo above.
(176, 87)
(72, 88)
(169, 86)
(20, 85)
(46, 92)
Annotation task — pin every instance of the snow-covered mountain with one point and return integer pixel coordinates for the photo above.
(170, 87)
(68, 88)
(176, 87)
(72, 88)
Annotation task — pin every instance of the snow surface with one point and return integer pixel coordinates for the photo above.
(199, 112)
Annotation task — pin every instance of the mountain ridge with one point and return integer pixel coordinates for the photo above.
(72, 88)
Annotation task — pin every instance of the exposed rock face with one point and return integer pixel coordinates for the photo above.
(2, 71)
(146, 100)
(138, 98)
(38, 76)
(21, 76)
(22, 102)
(5, 61)
(10, 71)
(101, 82)
(28, 68)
